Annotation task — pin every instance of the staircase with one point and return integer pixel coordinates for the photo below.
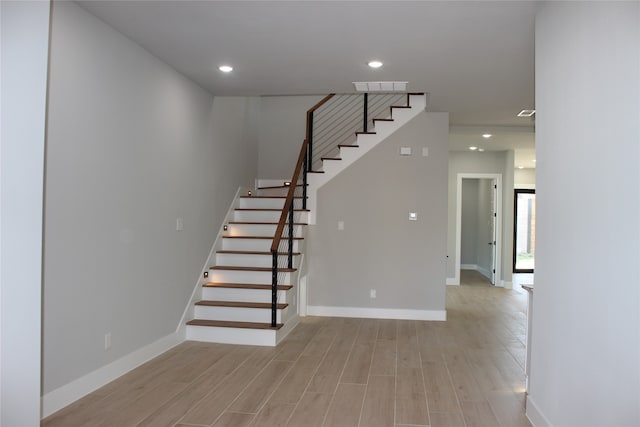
(237, 300)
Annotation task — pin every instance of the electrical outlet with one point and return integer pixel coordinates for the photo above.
(425, 151)
(107, 341)
(179, 224)
(340, 225)
(372, 293)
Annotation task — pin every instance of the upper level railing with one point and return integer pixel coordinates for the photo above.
(332, 122)
(340, 117)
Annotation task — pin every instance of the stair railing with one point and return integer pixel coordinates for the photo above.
(341, 118)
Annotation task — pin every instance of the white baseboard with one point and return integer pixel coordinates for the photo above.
(468, 266)
(535, 416)
(377, 313)
(69, 393)
(505, 284)
(452, 281)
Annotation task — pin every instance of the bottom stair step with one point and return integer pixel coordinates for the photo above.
(240, 304)
(229, 324)
(264, 287)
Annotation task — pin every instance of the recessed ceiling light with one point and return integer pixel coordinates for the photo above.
(481, 149)
(473, 148)
(375, 64)
(526, 113)
(225, 68)
(486, 135)
(520, 167)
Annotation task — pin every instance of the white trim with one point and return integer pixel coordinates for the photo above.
(452, 281)
(524, 187)
(506, 284)
(376, 313)
(535, 416)
(187, 314)
(498, 178)
(69, 393)
(469, 267)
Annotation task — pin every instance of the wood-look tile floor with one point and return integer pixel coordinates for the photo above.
(465, 372)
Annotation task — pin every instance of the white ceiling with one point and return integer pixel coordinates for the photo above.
(475, 58)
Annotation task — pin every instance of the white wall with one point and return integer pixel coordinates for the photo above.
(379, 248)
(283, 121)
(25, 38)
(586, 327)
(132, 146)
(497, 162)
(524, 178)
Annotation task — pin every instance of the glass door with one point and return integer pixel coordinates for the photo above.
(524, 231)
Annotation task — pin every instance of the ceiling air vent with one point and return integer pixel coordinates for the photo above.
(381, 86)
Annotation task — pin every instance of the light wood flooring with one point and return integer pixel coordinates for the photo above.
(465, 372)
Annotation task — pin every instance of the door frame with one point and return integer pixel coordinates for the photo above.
(515, 227)
(498, 248)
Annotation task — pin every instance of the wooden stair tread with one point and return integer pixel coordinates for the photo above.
(400, 106)
(253, 253)
(260, 269)
(274, 187)
(330, 158)
(245, 286)
(348, 145)
(262, 223)
(269, 210)
(269, 197)
(383, 120)
(365, 133)
(229, 324)
(240, 304)
(258, 237)
(315, 171)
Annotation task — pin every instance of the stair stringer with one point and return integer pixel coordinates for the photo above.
(364, 142)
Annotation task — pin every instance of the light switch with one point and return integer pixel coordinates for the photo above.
(413, 216)
(405, 151)
(179, 224)
(425, 151)
(340, 225)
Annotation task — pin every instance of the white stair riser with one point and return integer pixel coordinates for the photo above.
(256, 245)
(258, 230)
(261, 203)
(259, 277)
(267, 216)
(263, 337)
(273, 192)
(244, 295)
(242, 260)
(236, 314)
(256, 216)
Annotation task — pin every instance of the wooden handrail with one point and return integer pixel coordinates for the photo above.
(314, 108)
(287, 203)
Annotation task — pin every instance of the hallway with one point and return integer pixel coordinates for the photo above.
(467, 371)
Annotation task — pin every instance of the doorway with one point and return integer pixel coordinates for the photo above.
(524, 230)
(478, 225)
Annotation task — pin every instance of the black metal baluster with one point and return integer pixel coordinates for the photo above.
(366, 113)
(310, 142)
(274, 287)
(304, 183)
(290, 260)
